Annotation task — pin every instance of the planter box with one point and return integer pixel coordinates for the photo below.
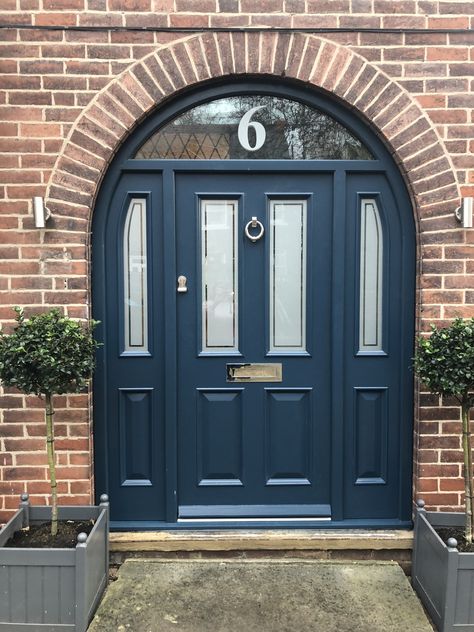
(53, 590)
(441, 575)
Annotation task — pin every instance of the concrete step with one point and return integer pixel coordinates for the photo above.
(265, 595)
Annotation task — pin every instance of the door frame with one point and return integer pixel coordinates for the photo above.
(122, 163)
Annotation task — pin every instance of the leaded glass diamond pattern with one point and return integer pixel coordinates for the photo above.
(188, 143)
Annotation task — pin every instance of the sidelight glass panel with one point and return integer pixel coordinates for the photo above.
(219, 275)
(287, 275)
(135, 277)
(371, 276)
(253, 127)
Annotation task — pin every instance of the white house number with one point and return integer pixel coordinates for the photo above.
(243, 130)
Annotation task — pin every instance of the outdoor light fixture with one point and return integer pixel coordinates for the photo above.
(464, 212)
(41, 212)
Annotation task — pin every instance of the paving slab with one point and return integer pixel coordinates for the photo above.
(260, 596)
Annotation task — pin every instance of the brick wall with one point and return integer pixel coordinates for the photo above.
(67, 99)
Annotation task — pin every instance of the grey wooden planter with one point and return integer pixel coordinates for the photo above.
(441, 575)
(53, 590)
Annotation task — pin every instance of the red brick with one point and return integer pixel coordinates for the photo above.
(61, 50)
(459, 311)
(448, 23)
(108, 52)
(428, 485)
(451, 485)
(440, 470)
(31, 458)
(11, 430)
(445, 53)
(452, 456)
(189, 20)
(428, 456)
(448, 116)
(40, 487)
(436, 442)
(30, 98)
(56, 19)
(248, 6)
(40, 129)
(24, 473)
(77, 445)
(432, 100)
(80, 487)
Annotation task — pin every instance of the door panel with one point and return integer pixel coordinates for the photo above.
(288, 436)
(219, 437)
(260, 447)
(134, 395)
(375, 374)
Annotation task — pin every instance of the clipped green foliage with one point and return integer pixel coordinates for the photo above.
(445, 360)
(47, 354)
(445, 363)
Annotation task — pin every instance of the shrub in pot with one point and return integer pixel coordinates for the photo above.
(442, 575)
(46, 355)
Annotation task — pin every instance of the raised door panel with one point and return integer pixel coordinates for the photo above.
(288, 436)
(219, 437)
(136, 451)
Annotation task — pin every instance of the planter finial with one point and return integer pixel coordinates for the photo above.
(420, 503)
(452, 543)
(25, 506)
(81, 538)
(104, 498)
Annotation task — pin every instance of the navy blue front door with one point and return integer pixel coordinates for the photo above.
(257, 320)
(254, 448)
(257, 333)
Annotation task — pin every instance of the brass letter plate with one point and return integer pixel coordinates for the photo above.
(254, 372)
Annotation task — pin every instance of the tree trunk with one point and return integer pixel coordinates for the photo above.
(49, 412)
(467, 450)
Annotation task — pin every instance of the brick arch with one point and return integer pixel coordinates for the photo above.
(126, 101)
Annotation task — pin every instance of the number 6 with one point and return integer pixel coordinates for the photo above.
(243, 130)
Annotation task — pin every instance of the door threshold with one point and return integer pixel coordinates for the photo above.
(260, 539)
(246, 520)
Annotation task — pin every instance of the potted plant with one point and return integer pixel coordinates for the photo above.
(45, 584)
(443, 572)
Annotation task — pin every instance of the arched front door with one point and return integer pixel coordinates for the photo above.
(253, 271)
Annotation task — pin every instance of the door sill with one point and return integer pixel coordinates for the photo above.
(260, 539)
(276, 524)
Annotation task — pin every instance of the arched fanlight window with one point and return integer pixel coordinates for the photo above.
(254, 126)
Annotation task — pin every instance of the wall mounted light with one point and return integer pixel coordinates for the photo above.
(41, 212)
(464, 212)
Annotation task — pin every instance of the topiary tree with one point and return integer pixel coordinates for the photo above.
(48, 354)
(444, 361)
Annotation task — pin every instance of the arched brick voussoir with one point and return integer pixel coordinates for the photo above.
(129, 98)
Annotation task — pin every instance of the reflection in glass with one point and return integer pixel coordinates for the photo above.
(292, 131)
(219, 275)
(371, 275)
(287, 275)
(135, 277)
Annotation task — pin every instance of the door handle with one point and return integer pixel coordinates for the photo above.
(182, 280)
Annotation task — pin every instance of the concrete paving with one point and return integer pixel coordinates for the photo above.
(260, 596)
